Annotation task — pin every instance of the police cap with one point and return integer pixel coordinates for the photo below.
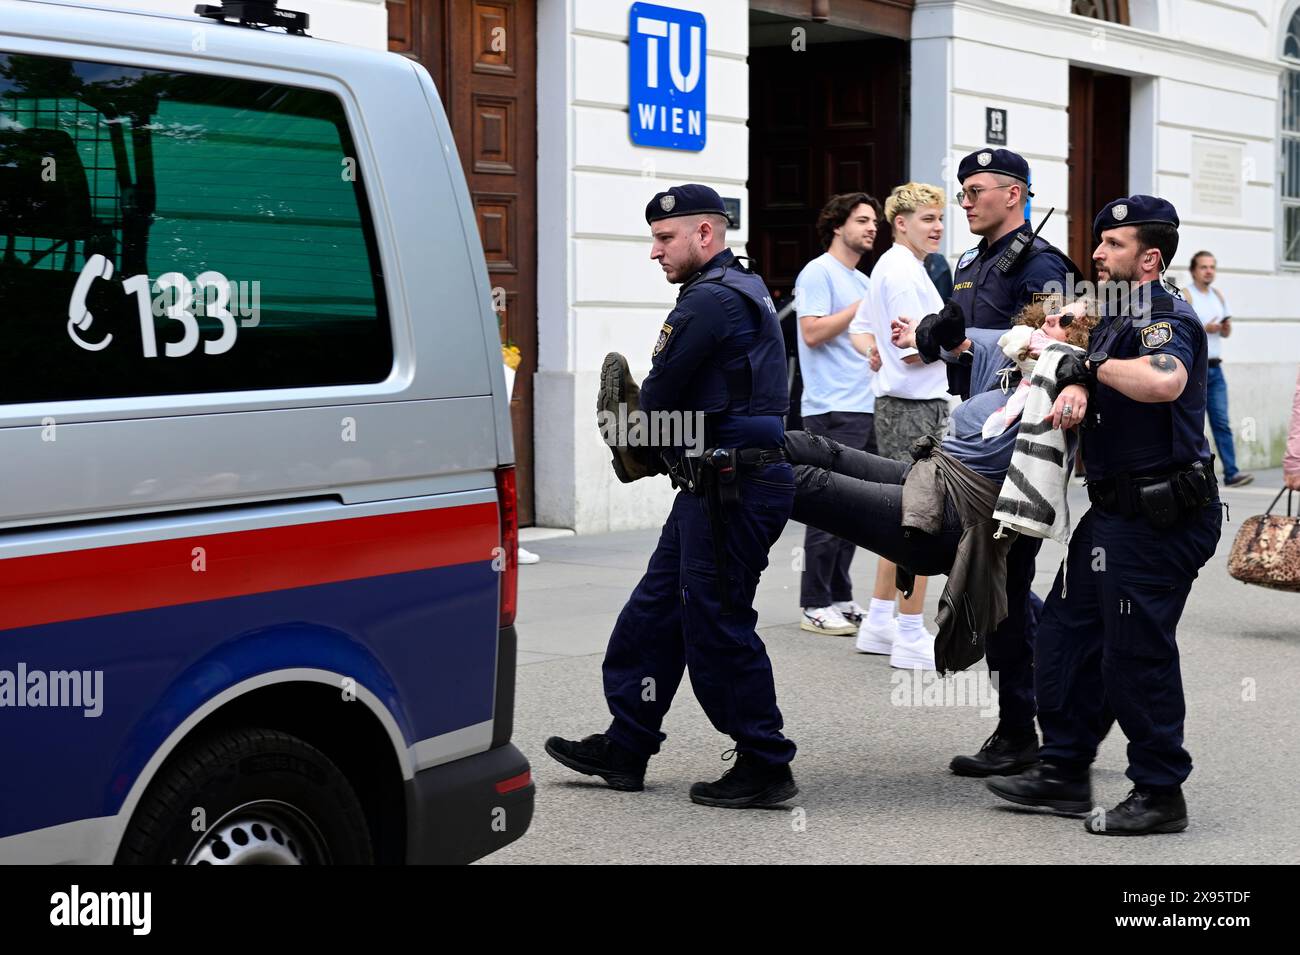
(1134, 210)
(1002, 161)
(691, 199)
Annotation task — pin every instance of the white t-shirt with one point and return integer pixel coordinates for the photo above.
(835, 376)
(900, 286)
(1209, 309)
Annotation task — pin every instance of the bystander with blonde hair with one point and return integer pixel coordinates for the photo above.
(911, 398)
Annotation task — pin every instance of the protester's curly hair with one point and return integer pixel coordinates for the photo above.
(1035, 315)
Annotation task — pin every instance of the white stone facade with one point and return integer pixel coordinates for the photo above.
(1202, 70)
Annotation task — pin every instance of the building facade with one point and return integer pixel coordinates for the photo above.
(1195, 100)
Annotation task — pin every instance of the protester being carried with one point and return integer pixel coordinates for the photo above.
(950, 492)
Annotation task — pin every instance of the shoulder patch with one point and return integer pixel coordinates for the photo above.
(1051, 301)
(663, 339)
(967, 258)
(1157, 335)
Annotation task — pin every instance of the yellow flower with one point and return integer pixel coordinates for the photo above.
(510, 355)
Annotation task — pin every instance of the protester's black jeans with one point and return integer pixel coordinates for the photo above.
(859, 496)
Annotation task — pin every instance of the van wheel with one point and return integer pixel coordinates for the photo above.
(248, 797)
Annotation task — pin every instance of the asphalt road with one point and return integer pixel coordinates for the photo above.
(873, 779)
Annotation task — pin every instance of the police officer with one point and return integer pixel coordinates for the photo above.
(719, 353)
(1009, 269)
(1106, 645)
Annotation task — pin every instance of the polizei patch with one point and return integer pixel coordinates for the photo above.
(663, 339)
(967, 258)
(1157, 335)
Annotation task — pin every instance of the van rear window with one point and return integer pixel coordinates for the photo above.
(165, 233)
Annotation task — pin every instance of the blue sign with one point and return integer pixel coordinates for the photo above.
(666, 65)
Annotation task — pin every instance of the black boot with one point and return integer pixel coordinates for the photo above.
(1001, 755)
(599, 755)
(750, 783)
(1142, 813)
(1046, 785)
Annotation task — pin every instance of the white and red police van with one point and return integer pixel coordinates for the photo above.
(257, 528)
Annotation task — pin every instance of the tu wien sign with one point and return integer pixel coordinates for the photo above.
(666, 66)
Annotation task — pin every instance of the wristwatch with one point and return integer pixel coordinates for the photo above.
(1095, 361)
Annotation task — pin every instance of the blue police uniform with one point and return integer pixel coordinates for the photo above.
(719, 352)
(1106, 644)
(991, 297)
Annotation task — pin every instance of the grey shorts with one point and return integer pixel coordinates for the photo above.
(901, 421)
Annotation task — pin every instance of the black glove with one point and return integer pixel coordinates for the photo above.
(1072, 369)
(945, 329)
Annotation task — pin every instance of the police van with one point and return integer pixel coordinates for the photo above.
(257, 528)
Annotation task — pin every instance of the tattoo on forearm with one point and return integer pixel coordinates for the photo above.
(1163, 363)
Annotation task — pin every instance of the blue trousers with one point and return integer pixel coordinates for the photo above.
(1216, 407)
(1106, 648)
(673, 622)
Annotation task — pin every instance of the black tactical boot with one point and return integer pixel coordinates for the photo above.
(599, 755)
(750, 783)
(1046, 785)
(1142, 813)
(1001, 755)
(617, 387)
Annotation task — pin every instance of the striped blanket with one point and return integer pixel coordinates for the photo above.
(1033, 498)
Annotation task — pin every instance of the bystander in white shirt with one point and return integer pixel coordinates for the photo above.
(900, 286)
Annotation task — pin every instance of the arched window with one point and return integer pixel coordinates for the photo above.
(1289, 140)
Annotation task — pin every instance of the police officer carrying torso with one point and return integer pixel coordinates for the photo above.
(1009, 269)
(1106, 644)
(720, 355)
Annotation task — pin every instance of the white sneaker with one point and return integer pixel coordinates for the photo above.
(527, 557)
(826, 620)
(913, 651)
(851, 610)
(878, 639)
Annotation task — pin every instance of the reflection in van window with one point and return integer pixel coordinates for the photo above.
(165, 233)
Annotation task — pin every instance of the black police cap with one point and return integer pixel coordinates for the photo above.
(691, 199)
(1134, 210)
(1002, 161)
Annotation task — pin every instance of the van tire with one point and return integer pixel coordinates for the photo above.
(266, 797)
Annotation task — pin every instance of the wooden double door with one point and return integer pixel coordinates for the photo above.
(820, 123)
(482, 55)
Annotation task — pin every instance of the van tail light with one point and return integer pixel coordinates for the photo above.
(508, 505)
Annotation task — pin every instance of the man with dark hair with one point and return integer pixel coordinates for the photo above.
(837, 395)
(1107, 647)
(1212, 310)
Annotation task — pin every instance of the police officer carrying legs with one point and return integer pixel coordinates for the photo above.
(1106, 645)
(1009, 269)
(720, 353)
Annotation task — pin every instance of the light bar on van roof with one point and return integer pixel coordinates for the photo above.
(255, 13)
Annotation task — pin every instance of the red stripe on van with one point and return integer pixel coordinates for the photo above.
(49, 588)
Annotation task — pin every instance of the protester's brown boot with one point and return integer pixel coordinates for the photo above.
(617, 387)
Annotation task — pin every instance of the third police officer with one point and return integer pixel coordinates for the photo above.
(1106, 647)
(1009, 269)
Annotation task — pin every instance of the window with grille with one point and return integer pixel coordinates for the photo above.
(1112, 11)
(1289, 143)
(132, 200)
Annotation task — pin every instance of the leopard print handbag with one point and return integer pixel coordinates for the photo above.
(1266, 550)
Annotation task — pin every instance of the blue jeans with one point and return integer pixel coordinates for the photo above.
(1217, 408)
